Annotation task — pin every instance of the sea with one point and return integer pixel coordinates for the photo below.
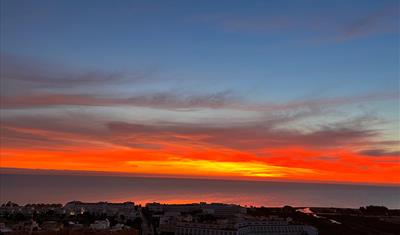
(25, 188)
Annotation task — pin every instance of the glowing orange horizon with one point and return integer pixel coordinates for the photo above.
(293, 164)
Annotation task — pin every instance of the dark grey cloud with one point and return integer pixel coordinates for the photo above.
(162, 100)
(26, 83)
(17, 138)
(181, 100)
(249, 137)
(41, 130)
(22, 75)
(380, 153)
(388, 143)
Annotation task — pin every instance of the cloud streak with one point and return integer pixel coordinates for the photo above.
(21, 75)
(173, 100)
(377, 21)
(381, 20)
(379, 153)
(163, 100)
(251, 136)
(246, 137)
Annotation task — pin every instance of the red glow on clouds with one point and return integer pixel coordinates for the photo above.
(290, 163)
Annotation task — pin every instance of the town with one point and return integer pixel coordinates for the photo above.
(202, 218)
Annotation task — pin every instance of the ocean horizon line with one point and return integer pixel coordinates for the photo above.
(63, 188)
(90, 173)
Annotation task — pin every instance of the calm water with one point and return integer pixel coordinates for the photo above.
(42, 188)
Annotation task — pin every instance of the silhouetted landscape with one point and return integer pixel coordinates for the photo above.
(77, 217)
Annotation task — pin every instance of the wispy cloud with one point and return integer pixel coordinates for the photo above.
(250, 136)
(328, 26)
(238, 23)
(246, 137)
(180, 100)
(380, 152)
(163, 100)
(31, 84)
(385, 19)
(22, 75)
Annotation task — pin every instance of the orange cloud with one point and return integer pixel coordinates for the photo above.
(255, 150)
(282, 163)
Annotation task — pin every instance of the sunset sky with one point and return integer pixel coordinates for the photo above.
(258, 90)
